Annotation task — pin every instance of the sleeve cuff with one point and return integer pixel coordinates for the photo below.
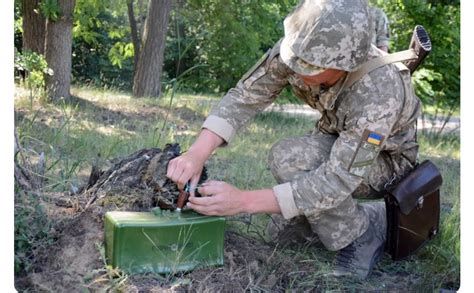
(220, 127)
(284, 196)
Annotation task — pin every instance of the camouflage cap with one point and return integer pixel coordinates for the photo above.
(323, 34)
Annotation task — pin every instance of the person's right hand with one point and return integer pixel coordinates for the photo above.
(187, 167)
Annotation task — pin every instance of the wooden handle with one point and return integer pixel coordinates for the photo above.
(182, 198)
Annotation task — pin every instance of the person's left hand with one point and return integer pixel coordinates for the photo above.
(219, 199)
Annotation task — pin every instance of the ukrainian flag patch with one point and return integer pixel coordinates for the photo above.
(374, 138)
(366, 153)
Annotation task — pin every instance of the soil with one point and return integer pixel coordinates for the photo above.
(134, 183)
(75, 262)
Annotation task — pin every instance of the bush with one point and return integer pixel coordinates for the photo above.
(31, 68)
(439, 82)
(33, 231)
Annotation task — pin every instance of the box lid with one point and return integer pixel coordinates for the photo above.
(160, 217)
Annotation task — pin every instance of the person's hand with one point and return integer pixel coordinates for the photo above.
(187, 167)
(219, 198)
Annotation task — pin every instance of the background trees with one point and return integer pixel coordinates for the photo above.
(149, 64)
(47, 30)
(219, 40)
(438, 80)
(58, 48)
(34, 26)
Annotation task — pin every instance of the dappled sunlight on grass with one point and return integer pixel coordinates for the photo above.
(440, 146)
(99, 95)
(110, 130)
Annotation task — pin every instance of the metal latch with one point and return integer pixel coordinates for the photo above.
(419, 203)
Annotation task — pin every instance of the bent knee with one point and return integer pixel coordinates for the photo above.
(278, 161)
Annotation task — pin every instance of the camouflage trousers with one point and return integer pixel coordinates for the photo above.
(336, 227)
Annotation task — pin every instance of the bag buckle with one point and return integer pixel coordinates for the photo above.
(390, 182)
(419, 203)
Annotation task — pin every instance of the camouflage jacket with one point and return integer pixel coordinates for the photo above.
(381, 34)
(381, 105)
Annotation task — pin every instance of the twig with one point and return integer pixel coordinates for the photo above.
(167, 112)
(173, 90)
(447, 118)
(18, 148)
(22, 179)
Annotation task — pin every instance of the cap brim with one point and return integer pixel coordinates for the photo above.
(295, 63)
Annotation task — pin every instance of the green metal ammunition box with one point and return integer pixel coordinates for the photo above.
(164, 241)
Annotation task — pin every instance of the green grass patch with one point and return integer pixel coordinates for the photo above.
(434, 110)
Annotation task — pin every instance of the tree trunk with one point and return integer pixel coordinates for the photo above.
(150, 64)
(58, 51)
(34, 26)
(134, 33)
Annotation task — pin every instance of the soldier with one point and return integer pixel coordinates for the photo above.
(381, 29)
(365, 136)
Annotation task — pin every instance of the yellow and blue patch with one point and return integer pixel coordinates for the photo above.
(374, 138)
(366, 153)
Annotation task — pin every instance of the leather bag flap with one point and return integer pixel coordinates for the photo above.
(422, 181)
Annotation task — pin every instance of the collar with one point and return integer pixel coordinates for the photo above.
(328, 96)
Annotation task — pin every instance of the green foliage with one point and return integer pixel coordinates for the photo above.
(224, 38)
(120, 52)
(423, 79)
(34, 66)
(33, 230)
(102, 49)
(439, 83)
(18, 26)
(50, 9)
(228, 36)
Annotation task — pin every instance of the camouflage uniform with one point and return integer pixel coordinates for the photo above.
(381, 34)
(320, 174)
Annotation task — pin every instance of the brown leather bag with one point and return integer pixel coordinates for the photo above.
(413, 211)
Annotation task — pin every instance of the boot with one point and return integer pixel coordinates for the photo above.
(359, 258)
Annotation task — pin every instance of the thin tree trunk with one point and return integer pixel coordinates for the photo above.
(446, 119)
(423, 123)
(34, 26)
(150, 64)
(181, 35)
(134, 33)
(141, 16)
(58, 51)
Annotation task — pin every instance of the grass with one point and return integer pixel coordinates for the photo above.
(99, 126)
(433, 111)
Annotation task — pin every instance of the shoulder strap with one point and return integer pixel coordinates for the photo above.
(378, 62)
